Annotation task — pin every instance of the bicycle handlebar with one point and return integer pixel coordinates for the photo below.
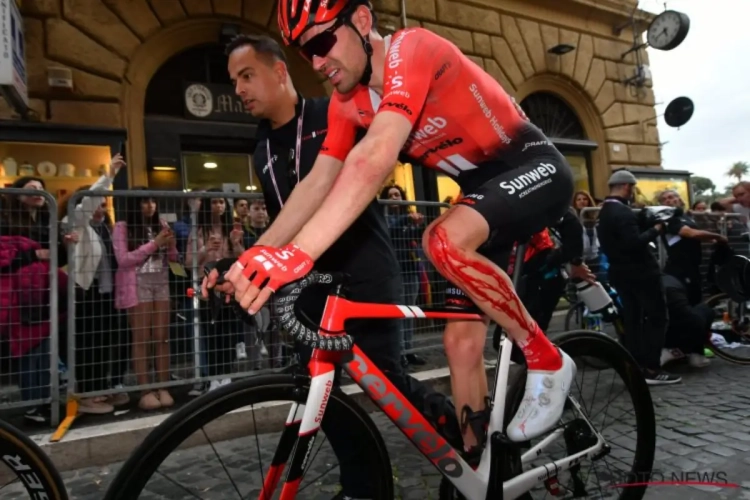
(283, 305)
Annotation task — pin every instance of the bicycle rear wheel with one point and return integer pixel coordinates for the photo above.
(632, 438)
(31, 466)
(730, 333)
(260, 393)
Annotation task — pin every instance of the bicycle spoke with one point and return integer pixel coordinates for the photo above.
(257, 447)
(223, 465)
(180, 485)
(313, 481)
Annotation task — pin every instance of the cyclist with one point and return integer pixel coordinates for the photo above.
(445, 113)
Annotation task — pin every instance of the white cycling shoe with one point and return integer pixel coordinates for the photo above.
(543, 401)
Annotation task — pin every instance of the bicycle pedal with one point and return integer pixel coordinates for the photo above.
(553, 486)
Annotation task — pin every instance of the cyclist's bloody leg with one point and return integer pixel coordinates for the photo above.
(464, 347)
(492, 291)
(451, 246)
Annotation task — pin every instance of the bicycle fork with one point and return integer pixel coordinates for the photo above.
(298, 437)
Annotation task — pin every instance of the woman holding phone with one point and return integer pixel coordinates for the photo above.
(144, 244)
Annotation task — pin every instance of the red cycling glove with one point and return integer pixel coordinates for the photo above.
(279, 266)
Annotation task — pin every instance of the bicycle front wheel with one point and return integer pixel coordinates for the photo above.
(271, 399)
(32, 468)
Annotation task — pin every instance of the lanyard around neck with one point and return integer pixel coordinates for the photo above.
(297, 148)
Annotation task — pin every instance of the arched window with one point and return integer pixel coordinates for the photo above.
(165, 94)
(553, 116)
(561, 124)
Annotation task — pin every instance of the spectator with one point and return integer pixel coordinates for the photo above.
(256, 222)
(591, 256)
(218, 238)
(99, 333)
(739, 202)
(682, 238)
(183, 226)
(25, 316)
(406, 233)
(143, 243)
(253, 216)
(634, 273)
(699, 206)
(689, 325)
(29, 216)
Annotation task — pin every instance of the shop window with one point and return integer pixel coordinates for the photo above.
(202, 170)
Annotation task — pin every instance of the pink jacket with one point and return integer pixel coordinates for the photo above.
(126, 295)
(25, 289)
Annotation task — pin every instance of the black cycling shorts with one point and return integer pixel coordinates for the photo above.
(531, 193)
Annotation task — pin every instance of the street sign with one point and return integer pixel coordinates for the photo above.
(12, 54)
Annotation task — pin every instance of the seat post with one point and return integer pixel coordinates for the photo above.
(518, 264)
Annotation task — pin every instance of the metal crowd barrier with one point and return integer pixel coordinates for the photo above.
(422, 285)
(29, 303)
(126, 331)
(117, 323)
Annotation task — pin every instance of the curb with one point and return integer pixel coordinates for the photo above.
(114, 442)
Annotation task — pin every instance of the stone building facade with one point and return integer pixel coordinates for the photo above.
(115, 47)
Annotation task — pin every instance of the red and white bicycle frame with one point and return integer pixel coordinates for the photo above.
(304, 420)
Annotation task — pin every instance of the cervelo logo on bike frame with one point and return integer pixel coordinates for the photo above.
(530, 180)
(499, 130)
(414, 425)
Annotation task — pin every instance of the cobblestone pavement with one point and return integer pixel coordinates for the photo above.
(702, 436)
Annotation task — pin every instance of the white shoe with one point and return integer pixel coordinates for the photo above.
(225, 381)
(263, 350)
(543, 401)
(241, 351)
(698, 360)
(215, 384)
(669, 355)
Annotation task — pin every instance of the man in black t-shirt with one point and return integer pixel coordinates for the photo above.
(634, 273)
(684, 250)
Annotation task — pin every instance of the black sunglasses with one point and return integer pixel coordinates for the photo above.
(322, 43)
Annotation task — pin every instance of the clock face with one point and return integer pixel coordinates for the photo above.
(665, 29)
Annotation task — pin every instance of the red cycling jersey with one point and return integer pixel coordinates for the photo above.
(460, 115)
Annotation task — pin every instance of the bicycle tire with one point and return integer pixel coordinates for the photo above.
(711, 302)
(164, 439)
(31, 465)
(594, 344)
